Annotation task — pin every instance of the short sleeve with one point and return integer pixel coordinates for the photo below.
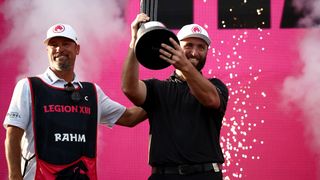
(109, 111)
(223, 93)
(19, 111)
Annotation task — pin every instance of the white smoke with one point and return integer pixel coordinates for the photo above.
(99, 24)
(303, 90)
(310, 10)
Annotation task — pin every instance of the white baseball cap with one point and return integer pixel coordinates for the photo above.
(193, 30)
(61, 30)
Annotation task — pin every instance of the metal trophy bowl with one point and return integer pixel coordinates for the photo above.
(150, 36)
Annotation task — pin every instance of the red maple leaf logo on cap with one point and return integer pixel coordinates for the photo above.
(196, 29)
(58, 29)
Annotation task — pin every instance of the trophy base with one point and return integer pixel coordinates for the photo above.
(149, 42)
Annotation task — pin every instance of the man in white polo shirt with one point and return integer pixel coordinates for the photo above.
(51, 123)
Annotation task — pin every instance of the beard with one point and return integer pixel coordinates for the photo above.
(61, 63)
(199, 62)
(64, 66)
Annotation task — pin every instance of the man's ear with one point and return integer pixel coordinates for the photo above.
(78, 49)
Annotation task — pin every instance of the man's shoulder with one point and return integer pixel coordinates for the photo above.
(88, 83)
(216, 81)
(22, 83)
(152, 80)
(221, 86)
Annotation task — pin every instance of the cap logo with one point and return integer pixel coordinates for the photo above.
(196, 29)
(58, 29)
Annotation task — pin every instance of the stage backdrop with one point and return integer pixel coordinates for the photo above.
(267, 52)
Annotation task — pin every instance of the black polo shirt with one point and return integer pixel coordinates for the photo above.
(183, 130)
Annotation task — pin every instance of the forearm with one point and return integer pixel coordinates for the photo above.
(132, 87)
(132, 116)
(13, 152)
(130, 71)
(202, 88)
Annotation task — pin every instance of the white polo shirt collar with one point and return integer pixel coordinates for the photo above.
(51, 78)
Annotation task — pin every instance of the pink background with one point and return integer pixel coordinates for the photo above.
(261, 138)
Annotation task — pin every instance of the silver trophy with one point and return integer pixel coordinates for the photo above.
(150, 36)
